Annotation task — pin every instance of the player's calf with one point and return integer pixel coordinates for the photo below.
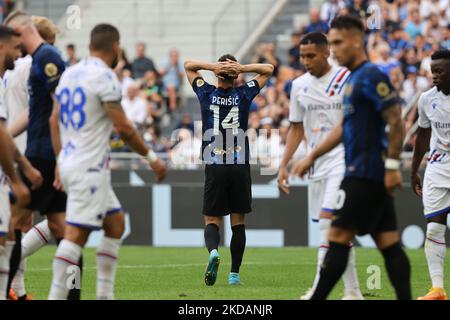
(107, 254)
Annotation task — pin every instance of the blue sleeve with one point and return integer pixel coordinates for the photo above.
(250, 90)
(379, 90)
(201, 88)
(51, 66)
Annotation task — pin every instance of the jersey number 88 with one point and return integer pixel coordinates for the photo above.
(71, 108)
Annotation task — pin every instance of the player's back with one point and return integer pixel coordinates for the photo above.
(368, 93)
(85, 127)
(225, 114)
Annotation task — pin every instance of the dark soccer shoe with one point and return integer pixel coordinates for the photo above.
(212, 268)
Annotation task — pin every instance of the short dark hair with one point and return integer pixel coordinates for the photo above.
(7, 33)
(70, 46)
(441, 54)
(226, 57)
(347, 22)
(317, 38)
(103, 37)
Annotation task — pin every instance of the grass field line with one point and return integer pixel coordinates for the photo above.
(179, 265)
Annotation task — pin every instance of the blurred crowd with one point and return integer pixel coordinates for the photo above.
(400, 38)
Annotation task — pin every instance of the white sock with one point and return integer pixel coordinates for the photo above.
(5, 254)
(36, 238)
(18, 283)
(350, 277)
(66, 256)
(324, 227)
(435, 249)
(107, 253)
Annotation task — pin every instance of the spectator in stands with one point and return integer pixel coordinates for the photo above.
(71, 55)
(136, 107)
(358, 8)
(410, 59)
(414, 25)
(172, 72)
(413, 84)
(265, 53)
(186, 122)
(315, 23)
(154, 139)
(294, 51)
(385, 61)
(445, 44)
(428, 8)
(330, 9)
(397, 41)
(152, 90)
(141, 63)
(186, 151)
(433, 29)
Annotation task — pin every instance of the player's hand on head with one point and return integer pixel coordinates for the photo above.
(160, 169)
(301, 167)
(283, 180)
(20, 192)
(416, 184)
(392, 180)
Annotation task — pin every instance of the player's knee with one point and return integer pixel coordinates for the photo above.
(115, 226)
(436, 230)
(213, 220)
(339, 235)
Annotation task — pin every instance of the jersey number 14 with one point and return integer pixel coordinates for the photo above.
(231, 121)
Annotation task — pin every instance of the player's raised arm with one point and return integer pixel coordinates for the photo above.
(264, 71)
(193, 67)
(127, 132)
(330, 142)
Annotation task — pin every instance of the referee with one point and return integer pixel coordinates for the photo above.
(225, 149)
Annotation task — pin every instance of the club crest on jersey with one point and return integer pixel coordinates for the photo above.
(200, 82)
(50, 70)
(382, 89)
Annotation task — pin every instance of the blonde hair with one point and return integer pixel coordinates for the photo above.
(46, 28)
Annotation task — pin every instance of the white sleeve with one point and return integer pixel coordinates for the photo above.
(424, 121)
(109, 89)
(296, 113)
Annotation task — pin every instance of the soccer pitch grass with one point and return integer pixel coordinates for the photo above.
(177, 273)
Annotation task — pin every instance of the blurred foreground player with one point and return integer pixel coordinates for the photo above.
(365, 202)
(225, 149)
(17, 103)
(88, 107)
(315, 109)
(9, 51)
